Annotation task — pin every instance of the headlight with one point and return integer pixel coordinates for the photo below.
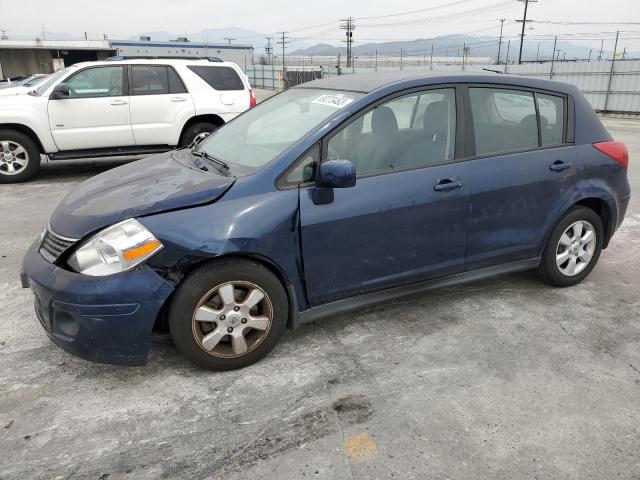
(115, 249)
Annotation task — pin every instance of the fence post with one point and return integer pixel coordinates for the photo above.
(613, 61)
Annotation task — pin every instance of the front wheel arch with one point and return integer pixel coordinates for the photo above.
(208, 118)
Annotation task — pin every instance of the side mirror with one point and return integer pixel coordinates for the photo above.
(60, 92)
(336, 174)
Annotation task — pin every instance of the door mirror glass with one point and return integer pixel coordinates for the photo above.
(336, 174)
(60, 92)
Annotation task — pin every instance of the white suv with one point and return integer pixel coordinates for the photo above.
(118, 108)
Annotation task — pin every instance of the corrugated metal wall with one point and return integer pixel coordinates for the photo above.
(23, 62)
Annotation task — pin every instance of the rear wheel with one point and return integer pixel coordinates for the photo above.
(573, 248)
(228, 314)
(197, 131)
(19, 157)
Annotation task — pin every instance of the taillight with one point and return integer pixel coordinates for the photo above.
(615, 150)
(252, 99)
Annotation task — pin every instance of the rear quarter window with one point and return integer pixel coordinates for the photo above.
(219, 78)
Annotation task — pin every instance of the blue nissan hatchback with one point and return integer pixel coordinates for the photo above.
(330, 196)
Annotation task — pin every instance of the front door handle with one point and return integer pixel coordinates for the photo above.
(447, 184)
(559, 166)
(118, 102)
(178, 99)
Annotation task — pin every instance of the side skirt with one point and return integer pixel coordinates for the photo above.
(368, 299)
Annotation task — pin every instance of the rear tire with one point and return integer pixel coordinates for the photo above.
(228, 314)
(194, 130)
(19, 157)
(573, 248)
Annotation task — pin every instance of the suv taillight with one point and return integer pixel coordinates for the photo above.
(252, 99)
(616, 150)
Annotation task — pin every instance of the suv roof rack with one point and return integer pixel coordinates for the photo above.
(118, 58)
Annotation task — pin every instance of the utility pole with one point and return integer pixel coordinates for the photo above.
(229, 39)
(401, 59)
(376, 60)
(538, 53)
(284, 43)
(601, 47)
(500, 41)
(590, 52)
(613, 61)
(553, 56)
(508, 47)
(349, 25)
(624, 53)
(268, 49)
(524, 23)
(431, 64)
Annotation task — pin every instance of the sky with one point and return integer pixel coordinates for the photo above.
(430, 18)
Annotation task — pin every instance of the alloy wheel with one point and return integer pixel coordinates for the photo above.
(232, 319)
(576, 248)
(13, 157)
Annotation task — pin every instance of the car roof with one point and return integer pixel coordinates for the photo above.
(159, 61)
(368, 82)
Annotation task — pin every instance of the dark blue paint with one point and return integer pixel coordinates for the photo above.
(336, 174)
(323, 243)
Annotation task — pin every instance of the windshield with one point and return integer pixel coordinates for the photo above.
(264, 132)
(48, 81)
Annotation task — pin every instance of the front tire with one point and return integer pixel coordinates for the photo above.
(573, 248)
(228, 314)
(196, 130)
(19, 157)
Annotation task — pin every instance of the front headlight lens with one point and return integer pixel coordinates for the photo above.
(115, 249)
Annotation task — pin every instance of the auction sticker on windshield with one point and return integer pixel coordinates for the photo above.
(336, 101)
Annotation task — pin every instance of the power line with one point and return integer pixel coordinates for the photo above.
(411, 12)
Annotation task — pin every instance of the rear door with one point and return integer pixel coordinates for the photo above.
(405, 219)
(224, 86)
(160, 104)
(96, 114)
(523, 171)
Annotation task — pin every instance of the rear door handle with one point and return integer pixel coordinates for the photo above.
(559, 166)
(178, 99)
(446, 185)
(118, 102)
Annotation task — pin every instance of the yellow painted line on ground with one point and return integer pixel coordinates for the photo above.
(360, 447)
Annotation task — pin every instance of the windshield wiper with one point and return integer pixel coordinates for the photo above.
(212, 159)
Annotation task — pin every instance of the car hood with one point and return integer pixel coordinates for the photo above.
(162, 182)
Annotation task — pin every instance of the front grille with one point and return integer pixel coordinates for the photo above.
(53, 245)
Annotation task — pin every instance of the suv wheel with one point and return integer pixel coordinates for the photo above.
(19, 157)
(573, 248)
(228, 314)
(196, 130)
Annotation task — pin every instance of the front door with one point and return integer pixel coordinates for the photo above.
(525, 171)
(405, 219)
(96, 114)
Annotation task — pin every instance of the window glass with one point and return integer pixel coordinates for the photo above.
(551, 110)
(149, 80)
(219, 78)
(304, 170)
(503, 120)
(96, 82)
(393, 137)
(262, 133)
(175, 82)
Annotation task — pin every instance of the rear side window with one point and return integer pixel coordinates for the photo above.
(150, 80)
(155, 80)
(551, 110)
(503, 120)
(219, 78)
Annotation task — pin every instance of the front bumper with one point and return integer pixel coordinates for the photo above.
(102, 319)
